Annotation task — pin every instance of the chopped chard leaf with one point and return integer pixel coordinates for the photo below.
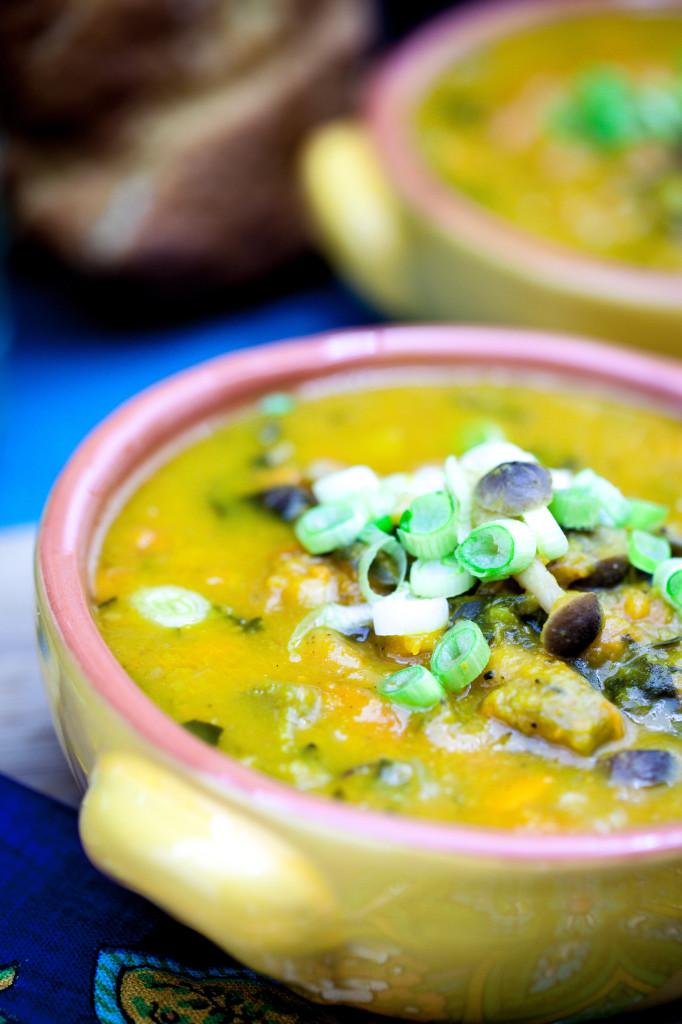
(206, 731)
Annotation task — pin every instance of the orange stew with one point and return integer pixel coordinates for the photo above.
(203, 581)
(572, 130)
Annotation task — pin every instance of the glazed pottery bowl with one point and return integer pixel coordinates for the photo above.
(417, 248)
(393, 914)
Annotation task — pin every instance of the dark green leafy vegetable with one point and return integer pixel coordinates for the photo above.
(667, 643)
(391, 778)
(253, 625)
(643, 685)
(206, 731)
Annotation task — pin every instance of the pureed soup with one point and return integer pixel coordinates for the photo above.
(455, 598)
(571, 130)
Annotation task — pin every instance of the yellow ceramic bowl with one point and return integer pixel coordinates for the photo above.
(397, 915)
(417, 248)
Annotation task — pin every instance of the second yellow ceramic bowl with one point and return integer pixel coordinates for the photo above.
(417, 248)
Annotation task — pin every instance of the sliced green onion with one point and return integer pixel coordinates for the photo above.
(550, 539)
(376, 540)
(459, 486)
(575, 508)
(429, 527)
(614, 506)
(379, 504)
(403, 614)
(170, 606)
(412, 687)
(668, 579)
(277, 403)
(342, 485)
(647, 550)
(562, 478)
(344, 618)
(395, 484)
(646, 515)
(384, 523)
(426, 480)
(440, 577)
(325, 527)
(497, 549)
(392, 497)
(483, 457)
(460, 655)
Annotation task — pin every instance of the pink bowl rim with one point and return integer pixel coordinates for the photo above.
(120, 444)
(391, 97)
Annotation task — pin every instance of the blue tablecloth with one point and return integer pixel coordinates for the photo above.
(67, 368)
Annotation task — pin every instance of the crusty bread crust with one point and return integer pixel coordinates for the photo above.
(188, 175)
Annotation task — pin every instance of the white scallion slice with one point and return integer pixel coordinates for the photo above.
(483, 457)
(668, 580)
(440, 577)
(428, 529)
(376, 541)
(498, 549)
(403, 614)
(459, 486)
(550, 539)
(344, 618)
(325, 527)
(403, 488)
(170, 606)
(562, 478)
(426, 480)
(339, 487)
(614, 507)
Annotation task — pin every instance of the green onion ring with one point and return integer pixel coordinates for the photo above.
(428, 529)
(170, 606)
(668, 580)
(498, 549)
(377, 540)
(575, 508)
(413, 687)
(647, 550)
(460, 656)
(323, 528)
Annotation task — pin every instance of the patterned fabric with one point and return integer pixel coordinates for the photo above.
(77, 949)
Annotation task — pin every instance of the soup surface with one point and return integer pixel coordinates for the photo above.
(586, 738)
(571, 130)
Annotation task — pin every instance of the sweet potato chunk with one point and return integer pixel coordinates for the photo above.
(558, 706)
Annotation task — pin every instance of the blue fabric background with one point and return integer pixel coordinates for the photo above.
(57, 915)
(67, 368)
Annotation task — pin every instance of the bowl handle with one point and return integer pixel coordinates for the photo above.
(356, 212)
(210, 866)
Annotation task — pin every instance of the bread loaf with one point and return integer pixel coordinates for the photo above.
(156, 140)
